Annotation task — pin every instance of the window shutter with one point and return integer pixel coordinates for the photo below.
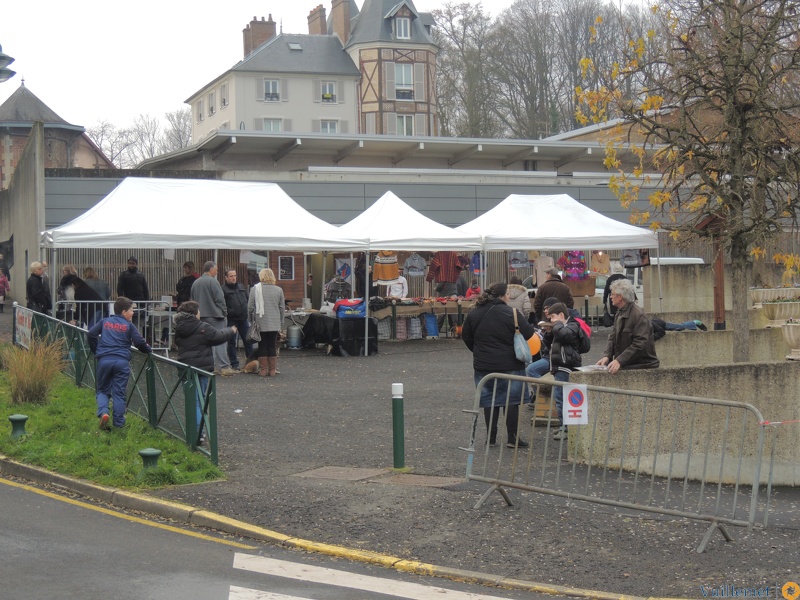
(258, 124)
(286, 125)
(419, 124)
(391, 123)
(260, 90)
(389, 78)
(370, 123)
(284, 91)
(343, 127)
(419, 82)
(340, 91)
(315, 126)
(316, 90)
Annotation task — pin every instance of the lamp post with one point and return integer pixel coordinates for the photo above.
(5, 60)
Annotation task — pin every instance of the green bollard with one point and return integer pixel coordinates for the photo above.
(18, 426)
(398, 426)
(150, 457)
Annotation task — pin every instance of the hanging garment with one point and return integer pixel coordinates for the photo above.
(385, 270)
(517, 260)
(475, 264)
(414, 266)
(573, 265)
(445, 267)
(601, 263)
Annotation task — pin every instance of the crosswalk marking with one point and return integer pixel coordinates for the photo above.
(240, 593)
(367, 583)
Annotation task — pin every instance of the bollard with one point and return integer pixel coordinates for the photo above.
(398, 435)
(18, 426)
(150, 457)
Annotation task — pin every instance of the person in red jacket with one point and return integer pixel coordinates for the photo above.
(474, 289)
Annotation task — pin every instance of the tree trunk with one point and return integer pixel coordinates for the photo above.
(740, 290)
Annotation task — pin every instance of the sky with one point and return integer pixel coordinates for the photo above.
(93, 61)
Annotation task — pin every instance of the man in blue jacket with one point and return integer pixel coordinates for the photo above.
(110, 340)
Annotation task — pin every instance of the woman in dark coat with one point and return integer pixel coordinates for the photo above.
(194, 339)
(39, 298)
(489, 334)
(89, 304)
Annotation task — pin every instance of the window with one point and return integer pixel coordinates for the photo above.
(199, 111)
(328, 126)
(404, 81)
(212, 104)
(405, 125)
(272, 125)
(402, 28)
(329, 91)
(271, 90)
(223, 95)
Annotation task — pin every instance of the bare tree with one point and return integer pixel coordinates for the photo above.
(467, 96)
(147, 141)
(178, 133)
(112, 141)
(719, 102)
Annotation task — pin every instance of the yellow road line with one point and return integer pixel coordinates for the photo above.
(126, 517)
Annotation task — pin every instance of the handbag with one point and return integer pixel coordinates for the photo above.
(606, 320)
(254, 333)
(521, 348)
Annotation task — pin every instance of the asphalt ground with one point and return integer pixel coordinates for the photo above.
(309, 454)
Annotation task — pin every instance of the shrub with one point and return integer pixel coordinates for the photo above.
(32, 371)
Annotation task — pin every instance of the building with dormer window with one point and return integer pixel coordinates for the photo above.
(370, 71)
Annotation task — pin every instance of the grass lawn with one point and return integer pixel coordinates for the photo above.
(63, 436)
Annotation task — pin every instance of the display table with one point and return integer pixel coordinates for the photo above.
(345, 336)
(454, 310)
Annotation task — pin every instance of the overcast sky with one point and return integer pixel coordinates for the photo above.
(92, 61)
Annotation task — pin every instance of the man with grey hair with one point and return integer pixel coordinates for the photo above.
(207, 292)
(630, 344)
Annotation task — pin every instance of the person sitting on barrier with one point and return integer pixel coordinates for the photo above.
(489, 334)
(630, 344)
(564, 355)
(110, 340)
(194, 339)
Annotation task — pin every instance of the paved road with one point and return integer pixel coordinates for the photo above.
(54, 546)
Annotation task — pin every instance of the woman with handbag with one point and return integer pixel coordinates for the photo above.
(488, 332)
(266, 309)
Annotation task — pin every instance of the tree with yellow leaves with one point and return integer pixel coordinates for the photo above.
(717, 119)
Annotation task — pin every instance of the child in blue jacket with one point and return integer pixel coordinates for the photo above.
(110, 340)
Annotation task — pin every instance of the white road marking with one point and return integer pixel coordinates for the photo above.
(301, 572)
(240, 593)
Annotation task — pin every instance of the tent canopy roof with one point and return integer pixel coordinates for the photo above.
(555, 222)
(185, 213)
(391, 224)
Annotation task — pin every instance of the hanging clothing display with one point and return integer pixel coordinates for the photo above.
(446, 266)
(601, 263)
(475, 263)
(385, 270)
(414, 266)
(518, 260)
(573, 265)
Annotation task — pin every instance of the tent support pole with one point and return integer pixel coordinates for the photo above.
(324, 278)
(366, 305)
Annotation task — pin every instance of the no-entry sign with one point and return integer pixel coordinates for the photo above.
(575, 408)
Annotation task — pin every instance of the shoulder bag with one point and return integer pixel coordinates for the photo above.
(521, 348)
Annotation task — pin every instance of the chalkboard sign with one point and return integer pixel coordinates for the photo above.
(286, 268)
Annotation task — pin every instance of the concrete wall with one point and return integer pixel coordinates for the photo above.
(771, 387)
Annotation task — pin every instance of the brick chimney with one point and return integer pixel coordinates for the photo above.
(317, 21)
(340, 14)
(256, 33)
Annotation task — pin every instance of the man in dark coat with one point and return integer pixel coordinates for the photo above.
(630, 344)
(132, 283)
(552, 288)
(236, 300)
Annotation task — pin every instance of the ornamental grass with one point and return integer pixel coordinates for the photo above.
(32, 371)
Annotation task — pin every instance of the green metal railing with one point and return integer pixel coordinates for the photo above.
(161, 391)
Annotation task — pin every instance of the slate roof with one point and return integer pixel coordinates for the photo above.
(318, 54)
(373, 26)
(22, 108)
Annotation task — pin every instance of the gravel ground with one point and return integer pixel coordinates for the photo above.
(326, 411)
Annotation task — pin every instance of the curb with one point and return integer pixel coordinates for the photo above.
(203, 518)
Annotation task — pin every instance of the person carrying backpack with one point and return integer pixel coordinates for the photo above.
(568, 339)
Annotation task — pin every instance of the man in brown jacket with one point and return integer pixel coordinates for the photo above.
(552, 288)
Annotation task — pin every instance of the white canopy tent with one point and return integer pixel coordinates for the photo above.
(184, 213)
(391, 224)
(556, 222)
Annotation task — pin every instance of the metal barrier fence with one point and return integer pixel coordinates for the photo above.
(161, 391)
(698, 458)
